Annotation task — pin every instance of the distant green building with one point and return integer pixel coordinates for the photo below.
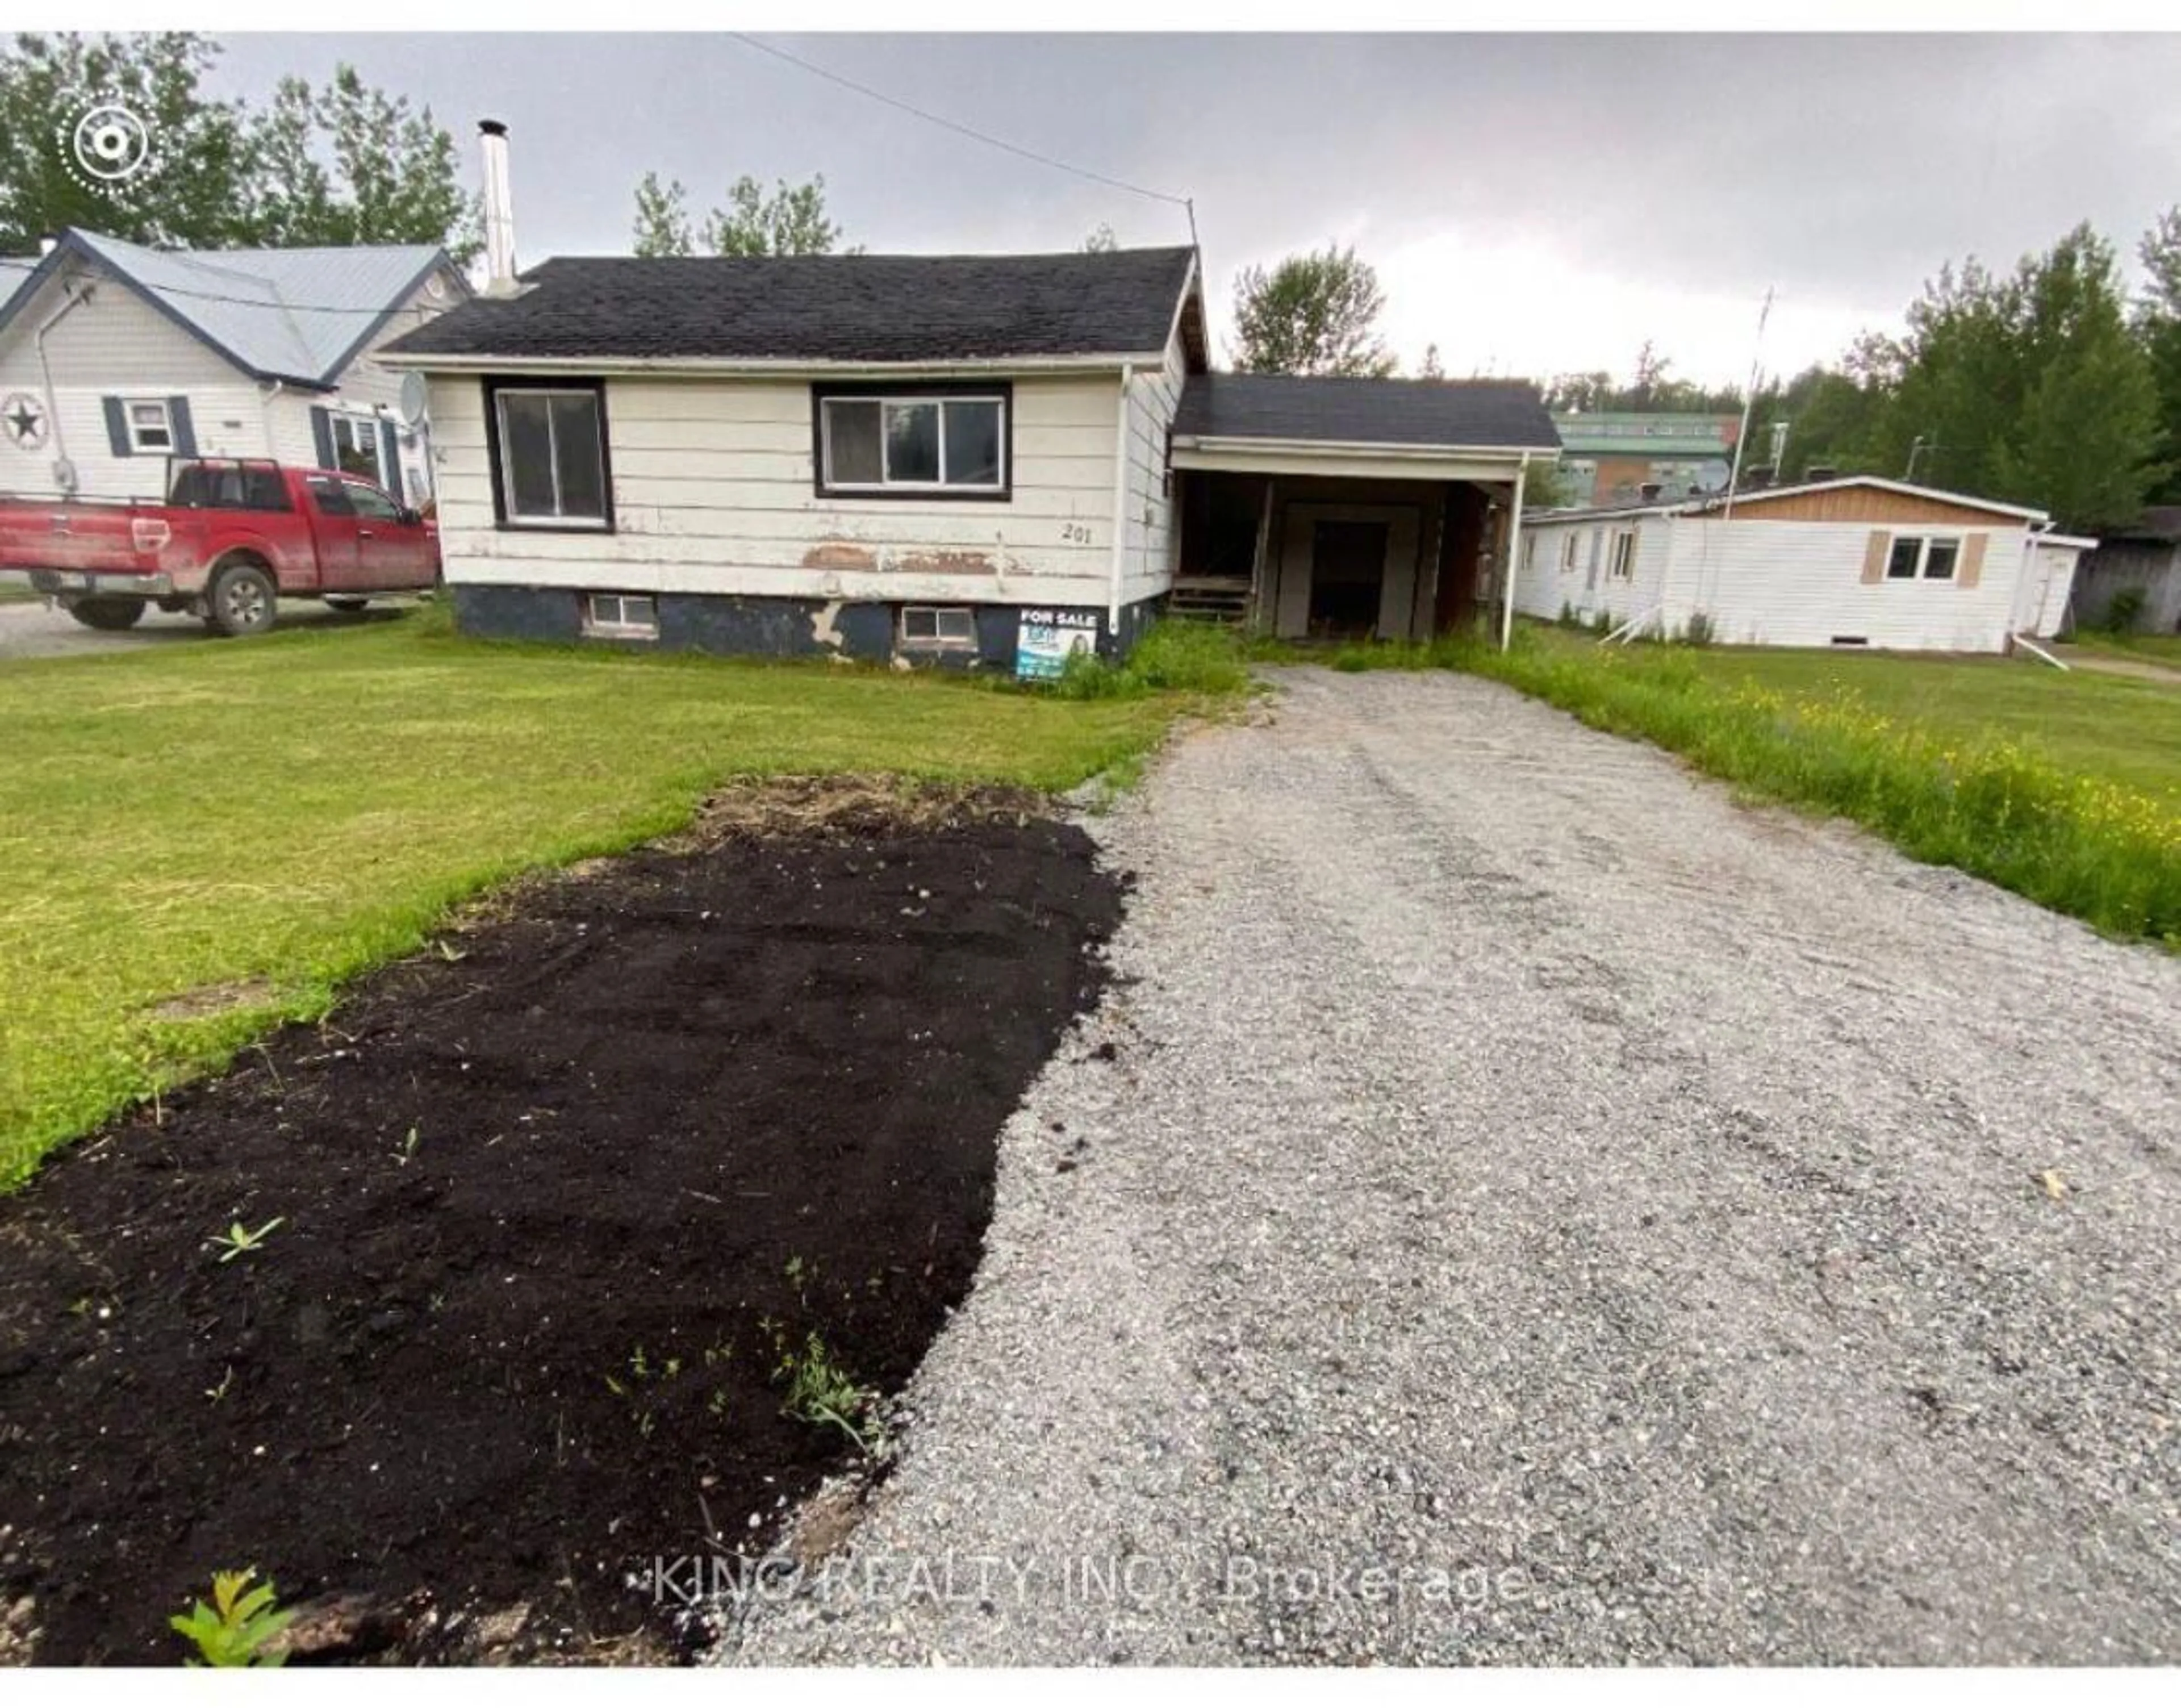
(1611, 456)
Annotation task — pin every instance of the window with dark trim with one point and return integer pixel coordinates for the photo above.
(355, 443)
(912, 441)
(548, 441)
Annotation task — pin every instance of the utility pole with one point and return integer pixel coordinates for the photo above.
(1748, 403)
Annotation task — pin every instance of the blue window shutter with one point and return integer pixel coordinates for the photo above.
(321, 435)
(117, 427)
(389, 460)
(186, 436)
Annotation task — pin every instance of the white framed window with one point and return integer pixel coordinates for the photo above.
(1568, 544)
(907, 442)
(945, 626)
(621, 616)
(1923, 557)
(551, 466)
(1621, 565)
(1529, 551)
(356, 445)
(151, 427)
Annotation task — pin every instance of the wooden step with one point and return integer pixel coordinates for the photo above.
(1206, 599)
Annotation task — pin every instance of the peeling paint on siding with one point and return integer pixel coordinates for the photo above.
(839, 554)
(947, 563)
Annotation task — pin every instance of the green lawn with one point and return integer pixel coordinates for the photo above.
(2064, 786)
(2158, 649)
(297, 809)
(2119, 727)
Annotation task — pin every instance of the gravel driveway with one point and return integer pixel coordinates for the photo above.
(1613, 1214)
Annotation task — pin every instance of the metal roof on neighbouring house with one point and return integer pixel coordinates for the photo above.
(296, 315)
(1447, 414)
(823, 309)
(1646, 434)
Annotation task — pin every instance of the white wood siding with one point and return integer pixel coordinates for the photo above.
(1152, 542)
(1792, 584)
(117, 344)
(1546, 585)
(713, 492)
(1800, 583)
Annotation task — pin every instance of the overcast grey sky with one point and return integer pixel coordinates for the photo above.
(1533, 203)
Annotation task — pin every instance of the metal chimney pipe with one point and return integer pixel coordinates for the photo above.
(498, 210)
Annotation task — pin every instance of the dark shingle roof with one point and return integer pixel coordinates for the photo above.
(1478, 412)
(826, 308)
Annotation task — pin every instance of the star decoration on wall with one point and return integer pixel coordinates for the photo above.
(25, 420)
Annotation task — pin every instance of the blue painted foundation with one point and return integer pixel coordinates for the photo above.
(733, 625)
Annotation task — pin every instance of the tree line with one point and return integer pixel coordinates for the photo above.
(335, 164)
(2044, 385)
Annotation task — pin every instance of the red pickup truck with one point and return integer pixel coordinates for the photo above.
(232, 538)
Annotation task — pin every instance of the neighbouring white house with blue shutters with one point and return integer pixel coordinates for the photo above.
(113, 356)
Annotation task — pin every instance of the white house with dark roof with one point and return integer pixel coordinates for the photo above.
(114, 355)
(1857, 561)
(942, 458)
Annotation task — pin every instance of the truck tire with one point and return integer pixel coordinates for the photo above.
(240, 600)
(108, 612)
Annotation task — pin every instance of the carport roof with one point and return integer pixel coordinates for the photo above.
(1479, 415)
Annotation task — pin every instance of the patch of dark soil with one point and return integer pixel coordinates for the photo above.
(549, 1203)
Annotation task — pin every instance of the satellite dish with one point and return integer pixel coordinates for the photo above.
(414, 397)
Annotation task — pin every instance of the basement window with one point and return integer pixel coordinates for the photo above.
(950, 627)
(621, 615)
(911, 442)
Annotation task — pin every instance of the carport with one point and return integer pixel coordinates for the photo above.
(1352, 509)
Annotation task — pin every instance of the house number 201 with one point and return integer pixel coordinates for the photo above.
(1075, 533)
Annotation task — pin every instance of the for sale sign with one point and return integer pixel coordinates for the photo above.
(1047, 638)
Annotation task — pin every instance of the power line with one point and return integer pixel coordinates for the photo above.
(961, 129)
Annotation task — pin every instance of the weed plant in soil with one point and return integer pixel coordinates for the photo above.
(551, 1204)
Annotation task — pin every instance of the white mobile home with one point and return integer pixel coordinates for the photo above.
(1855, 562)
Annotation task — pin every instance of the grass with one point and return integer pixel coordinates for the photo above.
(274, 816)
(2064, 787)
(2158, 649)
